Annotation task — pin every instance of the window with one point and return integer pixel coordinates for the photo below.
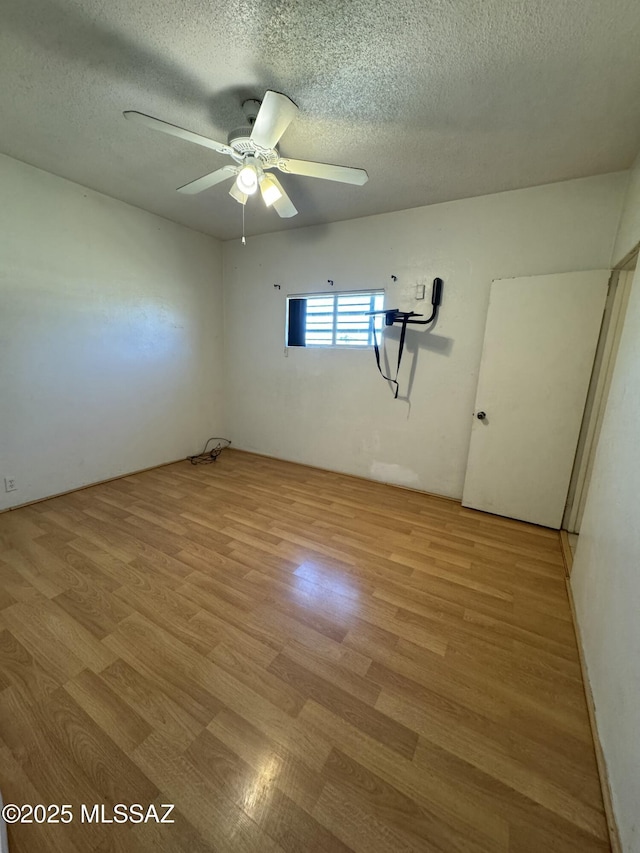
(334, 319)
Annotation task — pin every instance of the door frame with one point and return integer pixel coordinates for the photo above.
(604, 363)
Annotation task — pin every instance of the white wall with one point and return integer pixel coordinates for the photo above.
(629, 230)
(110, 336)
(606, 571)
(331, 408)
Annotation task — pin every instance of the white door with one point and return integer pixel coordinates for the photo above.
(539, 345)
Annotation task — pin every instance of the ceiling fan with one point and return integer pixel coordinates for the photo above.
(253, 150)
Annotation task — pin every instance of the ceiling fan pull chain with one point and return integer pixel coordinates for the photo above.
(244, 242)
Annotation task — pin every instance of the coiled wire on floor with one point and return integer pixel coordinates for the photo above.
(210, 454)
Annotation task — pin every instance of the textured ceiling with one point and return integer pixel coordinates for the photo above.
(437, 99)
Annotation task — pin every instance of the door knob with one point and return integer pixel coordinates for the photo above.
(481, 416)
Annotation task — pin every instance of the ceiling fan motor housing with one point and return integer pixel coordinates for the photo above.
(240, 138)
(241, 142)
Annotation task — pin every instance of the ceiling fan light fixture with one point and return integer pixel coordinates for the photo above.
(247, 180)
(269, 190)
(236, 193)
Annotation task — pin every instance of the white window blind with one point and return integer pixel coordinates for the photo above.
(340, 319)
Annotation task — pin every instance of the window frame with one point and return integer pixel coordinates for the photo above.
(336, 295)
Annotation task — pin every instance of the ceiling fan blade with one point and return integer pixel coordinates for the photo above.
(180, 132)
(283, 206)
(209, 180)
(274, 117)
(344, 174)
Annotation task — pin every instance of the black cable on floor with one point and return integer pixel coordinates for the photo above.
(210, 455)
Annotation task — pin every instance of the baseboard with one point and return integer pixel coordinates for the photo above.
(236, 449)
(612, 826)
(230, 450)
(90, 485)
(567, 553)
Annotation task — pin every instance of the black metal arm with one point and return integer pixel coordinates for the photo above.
(393, 315)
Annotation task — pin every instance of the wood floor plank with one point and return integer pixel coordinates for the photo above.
(292, 776)
(19, 583)
(299, 661)
(499, 799)
(177, 672)
(412, 822)
(280, 692)
(19, 670)
(108, 711)
(94, 608)
(207, 807)
(57, 641)
(35, 836)
(378, 726)
(441, 796)
(486, 755)
(354, 824)
(279, 816)
(152, 704)
(49, 768)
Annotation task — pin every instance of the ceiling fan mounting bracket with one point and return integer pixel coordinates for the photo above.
(250, 109)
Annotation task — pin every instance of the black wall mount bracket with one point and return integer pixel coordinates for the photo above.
(393, 315)
(405, 318)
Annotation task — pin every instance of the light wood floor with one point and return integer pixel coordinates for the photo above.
(300, 661)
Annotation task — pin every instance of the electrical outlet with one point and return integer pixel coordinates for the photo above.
(10, 484)
(420, 288)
